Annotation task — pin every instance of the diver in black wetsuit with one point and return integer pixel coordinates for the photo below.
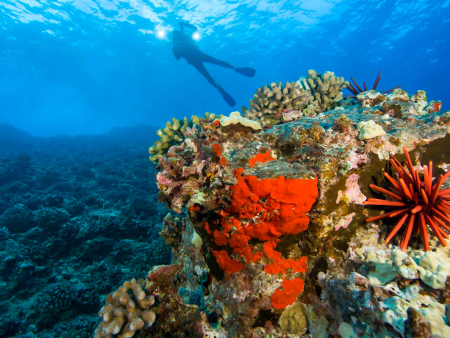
(184, 47)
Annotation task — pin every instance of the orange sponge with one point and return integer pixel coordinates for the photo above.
(260, 158)
(226, 263)
(291, 289)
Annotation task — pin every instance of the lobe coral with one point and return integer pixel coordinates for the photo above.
(418, 203)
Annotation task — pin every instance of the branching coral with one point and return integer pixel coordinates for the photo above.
(418, 203)
(274, 103)
(173, 134)
(269, 101)
(126, 311)
(355, 90)
(326, 88)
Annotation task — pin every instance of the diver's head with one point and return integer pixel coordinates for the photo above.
(176, 35)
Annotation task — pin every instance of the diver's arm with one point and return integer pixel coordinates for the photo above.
(186, 24)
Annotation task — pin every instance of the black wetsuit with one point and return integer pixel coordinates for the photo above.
(184, 47)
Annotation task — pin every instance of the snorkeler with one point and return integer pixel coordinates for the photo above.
(184, 47)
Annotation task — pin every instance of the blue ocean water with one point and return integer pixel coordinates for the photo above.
(84, 66)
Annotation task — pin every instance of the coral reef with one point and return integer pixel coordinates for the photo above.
(282, 247)
(69, 235)
(126, 311)
(270, 237)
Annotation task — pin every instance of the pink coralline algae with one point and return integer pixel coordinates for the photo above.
(345, 222)
(162, 180)
(352, 194)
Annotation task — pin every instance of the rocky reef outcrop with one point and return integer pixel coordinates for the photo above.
(283, 231)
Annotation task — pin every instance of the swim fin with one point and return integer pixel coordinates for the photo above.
(246, 71)
(227, 97)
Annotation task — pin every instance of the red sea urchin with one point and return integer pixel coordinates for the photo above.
(357, 90)
(418, 203)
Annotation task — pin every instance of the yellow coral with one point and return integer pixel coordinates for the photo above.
(126, 311)
(294, 318)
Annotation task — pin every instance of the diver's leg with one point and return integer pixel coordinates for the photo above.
(199, 66)
(209, 59)
(246, 71)
(227, 97)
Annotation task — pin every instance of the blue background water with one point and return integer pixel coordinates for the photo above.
(83, 66)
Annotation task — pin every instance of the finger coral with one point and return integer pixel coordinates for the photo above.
(418, 202)
(276, 103)
(271, 100)
(126, 311)
(326, 89)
